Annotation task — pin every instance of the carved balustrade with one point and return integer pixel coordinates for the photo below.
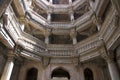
(57, 50)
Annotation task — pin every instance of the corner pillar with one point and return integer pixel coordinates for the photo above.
(49, 17)
(113, 70)
(8, 67)
(73, 34)
(71, 16)
(47, 34)
(51, 1)
(112, 67)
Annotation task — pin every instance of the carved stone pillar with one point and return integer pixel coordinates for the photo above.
(8, 67)
(109, 57)
(51, 1)
(49, 17)
(116, 3)
(71, 16)
(46, 61)
(70, 1)
(113, 69)
(73, 35)
(47, 34)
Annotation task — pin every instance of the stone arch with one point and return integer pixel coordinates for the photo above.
(60, 72)
(32, 74)
(88, 74)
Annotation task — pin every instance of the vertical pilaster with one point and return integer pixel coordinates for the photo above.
(47, 34)
(70, 1)
(72, 16)
(73, 35)
(49, 17)
(8, 67)
(71, 12)
(113, 69)
(51, 1)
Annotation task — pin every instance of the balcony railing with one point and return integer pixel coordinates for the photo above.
(61, 50)
(79, 22)
(61, 7)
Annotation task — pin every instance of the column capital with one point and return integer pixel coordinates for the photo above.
(71, 11)
(49, 11)
(11, 55)
(47, 32)
(108, 56)
(73, 33)
(97, 21)
(22, 19)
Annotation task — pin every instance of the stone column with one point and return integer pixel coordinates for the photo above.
(47, 34)
(51, 1)
(113, 69)
(72, 16)
(49, 17)
(70, 1)
(108, 55)
(73, 35)
(8, 67)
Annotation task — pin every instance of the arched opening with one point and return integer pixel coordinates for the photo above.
(60, 74)
(88, 74)
(32, 74)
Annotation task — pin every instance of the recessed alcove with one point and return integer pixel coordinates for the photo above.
(32, 74)
(60, 73)
(60, 17)
(81, 37)
(60, 39)
(88, 74)
(60, 1)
